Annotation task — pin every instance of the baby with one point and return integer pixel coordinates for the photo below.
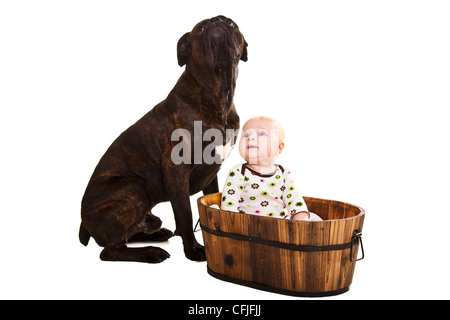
(260, 186)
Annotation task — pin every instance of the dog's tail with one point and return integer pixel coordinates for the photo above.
(84, 235)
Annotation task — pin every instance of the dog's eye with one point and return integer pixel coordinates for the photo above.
(230, 22)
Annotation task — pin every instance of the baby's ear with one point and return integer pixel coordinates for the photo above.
(281, 147)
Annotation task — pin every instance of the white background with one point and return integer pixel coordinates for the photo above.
(362, 88)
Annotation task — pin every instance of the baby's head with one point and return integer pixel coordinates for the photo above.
(262, 141)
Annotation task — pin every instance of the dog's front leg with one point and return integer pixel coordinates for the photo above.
(213, 187)
(177, 184)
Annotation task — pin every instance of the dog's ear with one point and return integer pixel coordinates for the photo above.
(244, 53)
(183, 49)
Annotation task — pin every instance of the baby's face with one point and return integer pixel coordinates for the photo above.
(260, 142)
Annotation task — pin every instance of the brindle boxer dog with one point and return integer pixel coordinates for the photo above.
(137, 171)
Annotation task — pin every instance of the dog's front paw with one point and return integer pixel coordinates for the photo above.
(195, 253)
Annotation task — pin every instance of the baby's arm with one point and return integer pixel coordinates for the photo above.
(231, 192)
(293, 200)
(295, 204)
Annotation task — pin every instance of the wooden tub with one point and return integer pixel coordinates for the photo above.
(289, 257)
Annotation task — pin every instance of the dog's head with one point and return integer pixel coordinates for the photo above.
(212, 42)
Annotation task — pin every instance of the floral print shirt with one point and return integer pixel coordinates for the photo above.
(273, 195)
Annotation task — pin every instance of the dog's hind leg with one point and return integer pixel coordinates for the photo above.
(161, 235)
(144, 254)
(150, 224)
(149, 229)
(116, 209)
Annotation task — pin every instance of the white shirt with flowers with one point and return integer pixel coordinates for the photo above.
(272, 195)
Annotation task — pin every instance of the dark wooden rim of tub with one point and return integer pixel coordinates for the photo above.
(312, 204)
(307, 236)
(336, 214)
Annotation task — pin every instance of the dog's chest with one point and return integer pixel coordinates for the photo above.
(223, 151)
(204, 172)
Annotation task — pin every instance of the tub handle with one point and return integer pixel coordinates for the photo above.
(356, 239)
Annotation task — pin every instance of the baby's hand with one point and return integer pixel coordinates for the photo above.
(303, 215)
(306, 216)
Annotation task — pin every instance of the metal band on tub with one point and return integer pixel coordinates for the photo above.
(356, 239)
